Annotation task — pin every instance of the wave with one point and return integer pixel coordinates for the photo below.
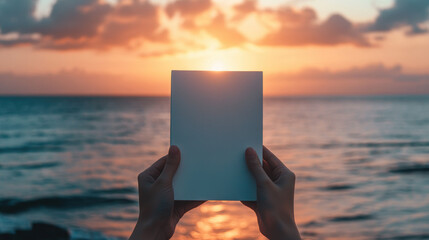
(308, 233)
(423, 236)
(347, 218)
(4, 136)
(114, 190)
(390, 144)
(11, 205)
(31, 165)
(374, 144)
(407, 169)
(60, 145)
(313, 223)
(358, 160)
(338, 187)
(355, 145)
(27, 148)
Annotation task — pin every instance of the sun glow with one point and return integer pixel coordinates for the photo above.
(218, 66)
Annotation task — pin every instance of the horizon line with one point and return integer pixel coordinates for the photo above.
(167, 96)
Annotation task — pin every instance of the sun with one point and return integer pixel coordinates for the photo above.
(217, 66)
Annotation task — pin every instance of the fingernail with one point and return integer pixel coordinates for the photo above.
(249, 152)
(173, 150)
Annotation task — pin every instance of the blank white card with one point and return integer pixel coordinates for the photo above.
(215, 116)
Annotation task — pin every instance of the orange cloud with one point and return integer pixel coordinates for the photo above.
(95, 24)
(188, 8)
(301, 27)
(228, 36)
(245, 8)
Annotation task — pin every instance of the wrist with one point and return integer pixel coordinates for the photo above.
(147, 230)
(285, 229)
(292, 233)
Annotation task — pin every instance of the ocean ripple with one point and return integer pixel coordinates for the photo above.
(407, 169)
(11, 205)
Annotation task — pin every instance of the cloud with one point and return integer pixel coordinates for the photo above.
(245, 8)
(188, 8)
(16, 16)
(404, 13)
(139, 20)
(227, 36)
(297, 27)
(300, 28)
(12, 39)
(216, 25)
(74, 19)
(77, 24)
(96, 24)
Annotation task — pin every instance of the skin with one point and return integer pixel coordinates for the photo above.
(159, 213)
(275, 193)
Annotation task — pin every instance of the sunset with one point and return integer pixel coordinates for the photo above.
(214, 119)
(319, 47)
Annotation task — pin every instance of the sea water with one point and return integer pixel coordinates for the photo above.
(362, 166)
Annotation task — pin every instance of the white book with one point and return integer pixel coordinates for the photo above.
(215, 116)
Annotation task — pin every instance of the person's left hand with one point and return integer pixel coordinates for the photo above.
(159, 213)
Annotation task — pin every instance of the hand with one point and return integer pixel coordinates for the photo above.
(275, 188)
(159, 213)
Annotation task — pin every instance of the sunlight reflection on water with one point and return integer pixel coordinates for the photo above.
(220, 220)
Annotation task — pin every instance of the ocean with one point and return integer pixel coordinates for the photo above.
(362, 166)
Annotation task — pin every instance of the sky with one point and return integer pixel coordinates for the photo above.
(129, 47)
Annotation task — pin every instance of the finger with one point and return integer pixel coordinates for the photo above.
(267, 168)
(250, 204)
(171, 165)
(255, 168)
(279, 171)
(272, 160)
(152, 172)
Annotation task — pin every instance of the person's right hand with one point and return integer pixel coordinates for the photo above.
(275, 189)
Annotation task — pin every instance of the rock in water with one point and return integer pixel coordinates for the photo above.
(39, 231)
(6, 236)
(48, 231)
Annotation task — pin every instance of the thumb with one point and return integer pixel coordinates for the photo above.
(171, 164)
(255, 168)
